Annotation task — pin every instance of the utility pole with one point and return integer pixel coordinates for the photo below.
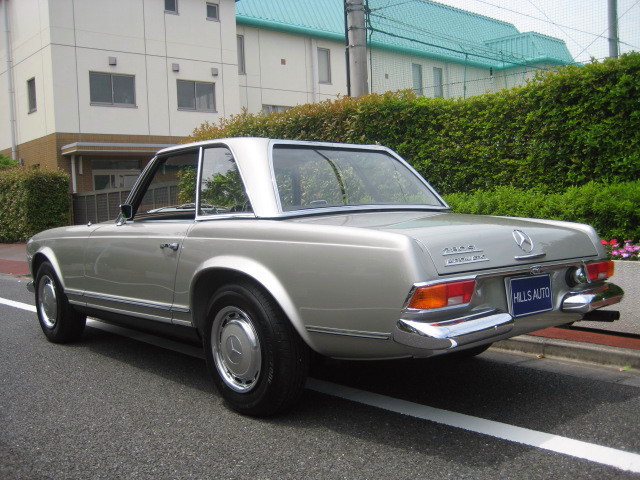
(613, 28)
(357, 47)
(10, 88)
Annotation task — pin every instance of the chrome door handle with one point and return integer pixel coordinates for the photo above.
(172, 246)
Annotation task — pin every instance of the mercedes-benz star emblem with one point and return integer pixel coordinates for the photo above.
(523, 241)
(234, 349)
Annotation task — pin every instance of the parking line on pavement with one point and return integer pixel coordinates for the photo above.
(588, 451)
(20, 305)
(546, 441)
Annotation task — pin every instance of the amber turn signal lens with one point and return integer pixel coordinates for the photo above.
(442, 295)
(600, 270)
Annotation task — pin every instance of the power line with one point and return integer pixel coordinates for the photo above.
(474, 49)
(547, 20)
(554, 24)
(605, 30)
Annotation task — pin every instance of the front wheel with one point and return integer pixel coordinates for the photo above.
(58, 320)
(257, 360)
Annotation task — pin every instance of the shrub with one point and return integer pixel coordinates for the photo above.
(32, 200)
(611, 209)
(6, 162)
(562, 129)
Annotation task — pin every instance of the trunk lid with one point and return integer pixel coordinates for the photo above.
(460, 243)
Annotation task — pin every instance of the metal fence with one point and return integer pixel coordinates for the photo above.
(97, 207)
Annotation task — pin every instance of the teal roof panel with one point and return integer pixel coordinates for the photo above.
(420, 28)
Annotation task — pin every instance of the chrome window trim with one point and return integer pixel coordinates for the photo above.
(355, 209)
(218, 216)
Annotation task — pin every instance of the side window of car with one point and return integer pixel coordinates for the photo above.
(171, 192)
(221, 187)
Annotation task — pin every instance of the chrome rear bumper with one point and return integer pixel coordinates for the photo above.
(447, 334)
(588, 300)
(491, 324)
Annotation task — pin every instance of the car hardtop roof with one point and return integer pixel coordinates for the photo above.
(266, 142)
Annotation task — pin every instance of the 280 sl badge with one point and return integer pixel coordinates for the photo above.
(458, 250)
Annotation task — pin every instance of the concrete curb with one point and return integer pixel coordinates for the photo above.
(583, 352)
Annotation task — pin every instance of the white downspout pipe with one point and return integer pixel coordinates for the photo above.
(74, 186)
(314, 71)
(12, 110)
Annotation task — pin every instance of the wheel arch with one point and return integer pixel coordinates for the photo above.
(227, 270)
(46, 255)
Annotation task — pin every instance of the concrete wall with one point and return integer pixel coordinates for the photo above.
(281, 69)
(58, 42)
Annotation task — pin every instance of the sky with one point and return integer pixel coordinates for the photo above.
(582, 24)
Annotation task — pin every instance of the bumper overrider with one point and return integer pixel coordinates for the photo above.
(488, 325)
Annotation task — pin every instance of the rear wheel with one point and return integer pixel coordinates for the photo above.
(59, 321)
(256, 358)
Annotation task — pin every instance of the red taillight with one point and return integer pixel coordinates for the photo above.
(600, 270)
(442, 295)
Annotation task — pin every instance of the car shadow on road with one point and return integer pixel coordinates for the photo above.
(539, 400)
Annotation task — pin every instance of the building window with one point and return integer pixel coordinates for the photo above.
(115, 174)
(416, 73)
(242, 69)
(112, 89)
(197, 96)
(171, 6)
(324, 65)
(266, 109)
(31, 89)
(437, 82)
(212, 11)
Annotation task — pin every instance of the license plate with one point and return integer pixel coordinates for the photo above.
(529, 295)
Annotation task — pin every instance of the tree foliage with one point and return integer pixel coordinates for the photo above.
(562, 129)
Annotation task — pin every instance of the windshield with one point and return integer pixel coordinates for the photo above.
(317, 177)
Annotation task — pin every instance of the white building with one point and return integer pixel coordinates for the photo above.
(95, 87)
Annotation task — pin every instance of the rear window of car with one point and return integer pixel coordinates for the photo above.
(317, 177)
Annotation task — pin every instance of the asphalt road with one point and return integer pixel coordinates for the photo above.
(116, 407)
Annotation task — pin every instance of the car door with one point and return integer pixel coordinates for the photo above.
(130, 266)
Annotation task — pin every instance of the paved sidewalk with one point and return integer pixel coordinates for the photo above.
(13, 259)
(604, 344)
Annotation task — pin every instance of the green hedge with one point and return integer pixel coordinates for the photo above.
(613, 210)
(6, 162)
(562, 129)
(32, 200)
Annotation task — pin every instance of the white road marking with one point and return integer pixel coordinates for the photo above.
(588, 451)
(546, 441)
(20, 305)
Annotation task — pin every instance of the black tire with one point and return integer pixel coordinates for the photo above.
(471, 352)
(60, 322)
(255, 357)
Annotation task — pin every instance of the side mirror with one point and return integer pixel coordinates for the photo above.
(126, 211)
